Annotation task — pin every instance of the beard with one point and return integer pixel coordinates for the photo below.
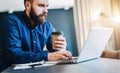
(38, 19)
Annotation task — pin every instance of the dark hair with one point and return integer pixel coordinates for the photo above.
(28, 0)
(31, 1)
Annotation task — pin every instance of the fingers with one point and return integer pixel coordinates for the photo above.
(66, 53)
(62, 54)
(69, 55)
(64, 57)
(60, 43)
(59, 46)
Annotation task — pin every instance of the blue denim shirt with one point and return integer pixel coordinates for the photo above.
(23, 44)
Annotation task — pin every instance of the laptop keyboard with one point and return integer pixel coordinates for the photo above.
(67, 61)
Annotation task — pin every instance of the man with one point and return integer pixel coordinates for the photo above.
(25, 34)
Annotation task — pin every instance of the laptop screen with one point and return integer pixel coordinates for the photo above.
(95, 43)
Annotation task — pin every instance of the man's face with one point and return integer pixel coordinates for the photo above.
(39, 11)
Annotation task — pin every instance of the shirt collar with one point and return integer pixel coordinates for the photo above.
(27, 21)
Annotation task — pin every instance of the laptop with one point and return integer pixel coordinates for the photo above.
(93, 47)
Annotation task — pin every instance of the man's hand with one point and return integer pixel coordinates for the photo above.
(60, 43)
(59, 55)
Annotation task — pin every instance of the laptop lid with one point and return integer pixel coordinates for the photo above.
(95, 44)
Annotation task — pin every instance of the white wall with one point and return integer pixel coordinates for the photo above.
(18, 5)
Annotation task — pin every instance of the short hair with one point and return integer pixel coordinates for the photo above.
(28, 0)
(31, 1)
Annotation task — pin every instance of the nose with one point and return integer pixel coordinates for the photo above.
(45, 10)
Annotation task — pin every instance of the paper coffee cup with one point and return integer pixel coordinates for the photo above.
(55, 36)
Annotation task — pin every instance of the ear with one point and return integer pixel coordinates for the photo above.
(27, 5)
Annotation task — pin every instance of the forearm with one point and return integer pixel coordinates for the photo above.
(26, 57)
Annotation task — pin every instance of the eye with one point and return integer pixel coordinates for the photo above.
(42, 5)
(47, 5)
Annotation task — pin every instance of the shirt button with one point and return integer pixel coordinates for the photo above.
(28, 24)
(34, 41)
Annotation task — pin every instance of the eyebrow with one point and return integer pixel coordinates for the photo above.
(41, 4)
